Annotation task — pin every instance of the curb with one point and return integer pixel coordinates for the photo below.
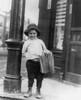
(10, 96)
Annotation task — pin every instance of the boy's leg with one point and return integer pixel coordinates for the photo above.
(30, 74)
(39, 85)
(39, 80)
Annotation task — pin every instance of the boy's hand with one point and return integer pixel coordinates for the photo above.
(48, 52)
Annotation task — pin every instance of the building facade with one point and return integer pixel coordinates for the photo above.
(60, 25)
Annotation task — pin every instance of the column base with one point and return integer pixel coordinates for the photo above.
(12, 85)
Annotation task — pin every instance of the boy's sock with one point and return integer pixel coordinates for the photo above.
(29, 92)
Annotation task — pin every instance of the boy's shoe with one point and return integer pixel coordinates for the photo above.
(38, 94)
(28, 94)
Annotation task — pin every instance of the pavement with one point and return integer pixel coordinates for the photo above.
(51, 90)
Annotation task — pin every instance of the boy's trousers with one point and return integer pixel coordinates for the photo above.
(33, 72)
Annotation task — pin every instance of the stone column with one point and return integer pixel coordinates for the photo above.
(12, 79)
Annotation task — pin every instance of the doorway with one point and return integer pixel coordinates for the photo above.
(73, 63)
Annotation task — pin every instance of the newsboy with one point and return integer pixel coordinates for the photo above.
(33, 48)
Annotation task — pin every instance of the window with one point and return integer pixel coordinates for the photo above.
(59, 25)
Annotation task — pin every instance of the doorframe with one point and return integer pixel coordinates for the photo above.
(67, 37)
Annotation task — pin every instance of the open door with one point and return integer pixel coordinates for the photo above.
(73, 59)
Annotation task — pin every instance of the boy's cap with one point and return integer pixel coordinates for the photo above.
(31, 27)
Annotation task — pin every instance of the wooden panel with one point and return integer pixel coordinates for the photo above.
(75, 59)
(74, 78)
(52, 24)
(43, 4)
(44, 21)
(76, 13)
(58, 58)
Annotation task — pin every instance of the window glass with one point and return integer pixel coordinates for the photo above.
(76, 36)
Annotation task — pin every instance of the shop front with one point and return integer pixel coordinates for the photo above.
(60, 24)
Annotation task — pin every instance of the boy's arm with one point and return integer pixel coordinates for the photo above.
(44, 48)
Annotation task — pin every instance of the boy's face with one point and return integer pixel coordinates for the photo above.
(32, 34)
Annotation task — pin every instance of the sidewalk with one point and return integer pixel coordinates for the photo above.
(51, 90)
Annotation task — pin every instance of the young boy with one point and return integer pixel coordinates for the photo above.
(33, 48)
